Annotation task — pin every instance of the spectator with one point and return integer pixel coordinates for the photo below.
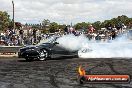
(91, 29)
(21, 32)
(119, 27)
(66, 30)
(98, 38)
(113, 34)
(19, 42)
(34, 35)
(109, 28)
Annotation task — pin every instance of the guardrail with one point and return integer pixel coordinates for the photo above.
(9, 49)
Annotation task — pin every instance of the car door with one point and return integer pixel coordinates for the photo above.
(58, 50)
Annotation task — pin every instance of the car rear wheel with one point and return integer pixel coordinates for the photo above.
(43, 55)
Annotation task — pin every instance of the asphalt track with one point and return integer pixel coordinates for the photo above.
(60, 72)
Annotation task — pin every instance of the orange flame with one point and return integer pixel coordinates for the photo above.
(81, 71)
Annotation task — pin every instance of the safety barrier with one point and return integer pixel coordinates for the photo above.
(9, 50)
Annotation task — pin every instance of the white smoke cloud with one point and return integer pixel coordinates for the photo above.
(120, 47)
(71, 42)
(108, 51)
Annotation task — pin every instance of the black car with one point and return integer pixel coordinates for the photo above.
(46, 50)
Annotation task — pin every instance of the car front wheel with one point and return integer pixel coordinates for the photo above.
(43, 55)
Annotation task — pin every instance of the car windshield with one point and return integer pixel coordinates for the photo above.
(49, 40)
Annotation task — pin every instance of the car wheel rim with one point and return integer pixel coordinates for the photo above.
(43, 55)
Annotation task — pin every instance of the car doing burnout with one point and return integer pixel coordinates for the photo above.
(48, 49)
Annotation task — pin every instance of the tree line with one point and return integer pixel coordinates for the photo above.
(46, 25)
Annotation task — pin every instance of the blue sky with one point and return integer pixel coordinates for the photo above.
(67, 11)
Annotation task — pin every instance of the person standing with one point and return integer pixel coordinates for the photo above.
(91, 29)
(110, 28)
(21, 33)
(113, 35)
(66, 30)
(35, 35)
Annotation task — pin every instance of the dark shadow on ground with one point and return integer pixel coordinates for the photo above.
(49, 59)
(62, 58)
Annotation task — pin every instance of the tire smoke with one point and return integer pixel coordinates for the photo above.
(120, 47)
(71, 42)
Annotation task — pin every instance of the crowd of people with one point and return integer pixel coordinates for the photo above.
(108, 33)
(10, 37)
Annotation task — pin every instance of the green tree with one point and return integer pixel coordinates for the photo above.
(114, 21)
(97, 25)
(62, 27)
(36, 26)
(53, 27)
(45, 23)
(4, 20)
(82, 25)
(123, 18)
